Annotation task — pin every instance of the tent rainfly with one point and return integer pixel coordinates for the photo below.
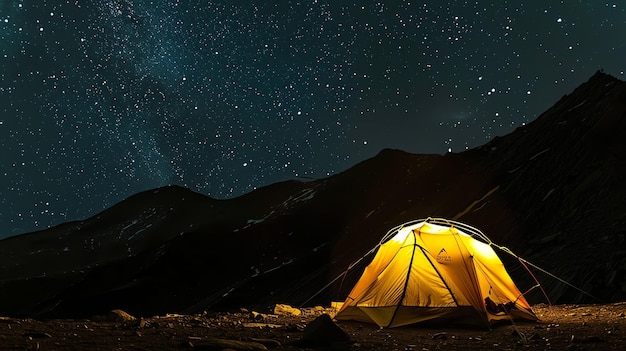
(435, 270)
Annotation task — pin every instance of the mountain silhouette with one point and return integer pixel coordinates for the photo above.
(552, 191)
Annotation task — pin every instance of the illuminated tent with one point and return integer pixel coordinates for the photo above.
(434, 270)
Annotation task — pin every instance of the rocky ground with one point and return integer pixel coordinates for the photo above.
(563, 327)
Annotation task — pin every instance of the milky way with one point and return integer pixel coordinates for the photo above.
(102, 99)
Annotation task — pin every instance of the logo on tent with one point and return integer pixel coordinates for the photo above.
(443, 257)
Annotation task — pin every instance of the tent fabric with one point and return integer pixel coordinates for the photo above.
(434, 270)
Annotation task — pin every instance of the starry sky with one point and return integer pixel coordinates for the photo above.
(102, 99)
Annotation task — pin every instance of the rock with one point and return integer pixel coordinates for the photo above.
(271, 343)
(120, 316)
(440, 336)
(143, 323)
(286, 310)
(258, 316)
(322, 330)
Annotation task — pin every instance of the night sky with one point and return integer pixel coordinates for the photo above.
(102, 99)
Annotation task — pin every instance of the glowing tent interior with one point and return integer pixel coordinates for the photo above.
(434, 270)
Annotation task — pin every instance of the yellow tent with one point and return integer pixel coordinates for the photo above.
(435, 270)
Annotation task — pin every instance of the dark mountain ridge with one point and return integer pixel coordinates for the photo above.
(552, 191)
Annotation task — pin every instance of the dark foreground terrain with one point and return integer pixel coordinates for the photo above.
(562, 327)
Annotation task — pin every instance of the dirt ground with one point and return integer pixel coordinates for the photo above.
(562, 327)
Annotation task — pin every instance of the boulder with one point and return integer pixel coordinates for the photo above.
(323, 331)
(286, 310)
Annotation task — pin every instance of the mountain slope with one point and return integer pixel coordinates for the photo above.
(551, 191)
